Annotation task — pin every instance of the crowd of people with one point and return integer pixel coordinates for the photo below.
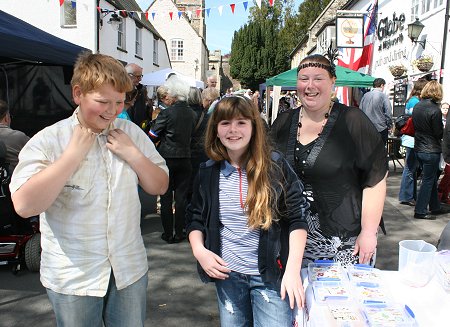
(256, 202)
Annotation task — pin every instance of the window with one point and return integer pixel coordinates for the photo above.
(155, 51)
(426, 4)
(176, 51)
(121, 32)
(414, 10)
(138, 42)
(68, 14)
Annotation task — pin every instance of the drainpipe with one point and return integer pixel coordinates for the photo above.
(444, 42)
(97, 22)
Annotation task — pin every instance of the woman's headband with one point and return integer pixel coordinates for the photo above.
(330, 68)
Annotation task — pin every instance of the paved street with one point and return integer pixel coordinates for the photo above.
(176, 297)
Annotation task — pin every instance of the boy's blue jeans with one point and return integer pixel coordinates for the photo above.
(245, 300)
(126, 307)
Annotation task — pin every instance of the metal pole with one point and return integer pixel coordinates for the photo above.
(444, 42)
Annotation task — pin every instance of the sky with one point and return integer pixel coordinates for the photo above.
(220, 28)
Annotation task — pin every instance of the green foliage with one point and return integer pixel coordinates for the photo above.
(260, 49)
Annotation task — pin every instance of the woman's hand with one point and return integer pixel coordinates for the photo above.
(291, 284)
(212, 264)
(365, 246)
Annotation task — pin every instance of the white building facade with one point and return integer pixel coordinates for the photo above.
(131, 40)
(187, 47)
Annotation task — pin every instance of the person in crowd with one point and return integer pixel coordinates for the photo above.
(130, 98)
(256, 99)
(444, 185)
(408, 186)
(173, 130)
(14, 140)
(377, 107)
(248, 94)
(198, 154)
(142, 109)
(210, 99)
(246, 222)
(444, 110)
(341, 159)
(427, 120)
(211, 81)
(83, 173)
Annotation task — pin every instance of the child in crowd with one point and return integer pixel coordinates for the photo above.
(82, 172)
(246, 222)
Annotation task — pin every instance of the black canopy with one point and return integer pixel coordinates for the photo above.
(35, 73)
(24, 42)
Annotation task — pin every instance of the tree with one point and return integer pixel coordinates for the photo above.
(261, 48)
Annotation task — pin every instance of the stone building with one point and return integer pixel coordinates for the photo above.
(182, 25)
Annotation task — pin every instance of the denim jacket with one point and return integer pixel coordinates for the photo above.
(203, 215)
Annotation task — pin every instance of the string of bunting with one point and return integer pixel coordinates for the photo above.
(189, 13)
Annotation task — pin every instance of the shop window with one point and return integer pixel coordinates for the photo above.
(121, 33)
(68, 14)
(155, 51)
(176, 50)
(138, 44)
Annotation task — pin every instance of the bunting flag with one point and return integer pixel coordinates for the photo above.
(189, 13)
(61, 2)
(74, 4)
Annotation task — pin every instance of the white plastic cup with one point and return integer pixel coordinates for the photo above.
(416, 262)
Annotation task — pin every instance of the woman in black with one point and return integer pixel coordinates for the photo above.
(427, 120)
(173, 130)
(340, 157)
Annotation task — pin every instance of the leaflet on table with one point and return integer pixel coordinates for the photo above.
(325, 271)
(387, 315)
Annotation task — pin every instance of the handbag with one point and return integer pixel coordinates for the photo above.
(408, 129)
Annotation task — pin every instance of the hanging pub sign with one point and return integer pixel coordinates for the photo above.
(349, 29)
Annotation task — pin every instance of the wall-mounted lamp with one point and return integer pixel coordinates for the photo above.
(114, 20)
(414, 30)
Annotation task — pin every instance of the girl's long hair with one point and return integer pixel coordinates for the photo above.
(260, 201)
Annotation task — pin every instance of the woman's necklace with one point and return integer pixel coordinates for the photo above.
(324, 121)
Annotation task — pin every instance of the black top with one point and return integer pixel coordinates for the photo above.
(348, 156)
(427, 120)
(173, 128)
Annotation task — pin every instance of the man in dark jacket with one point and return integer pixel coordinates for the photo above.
(141, 110)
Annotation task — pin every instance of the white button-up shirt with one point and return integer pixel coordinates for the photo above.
(94, 224)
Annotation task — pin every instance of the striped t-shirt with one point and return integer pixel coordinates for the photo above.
(239, 244)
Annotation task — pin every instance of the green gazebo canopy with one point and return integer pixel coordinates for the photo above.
(345, 77)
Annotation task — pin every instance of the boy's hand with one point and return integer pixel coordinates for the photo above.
(121, 145)
(81, 141)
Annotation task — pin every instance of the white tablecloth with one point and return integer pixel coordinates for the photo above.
(430, 304)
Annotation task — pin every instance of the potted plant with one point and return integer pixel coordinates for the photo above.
(424, 63)
(397, 70)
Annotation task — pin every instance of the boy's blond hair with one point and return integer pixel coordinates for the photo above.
(92, 71)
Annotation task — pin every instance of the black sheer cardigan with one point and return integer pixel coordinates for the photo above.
(347, 157)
